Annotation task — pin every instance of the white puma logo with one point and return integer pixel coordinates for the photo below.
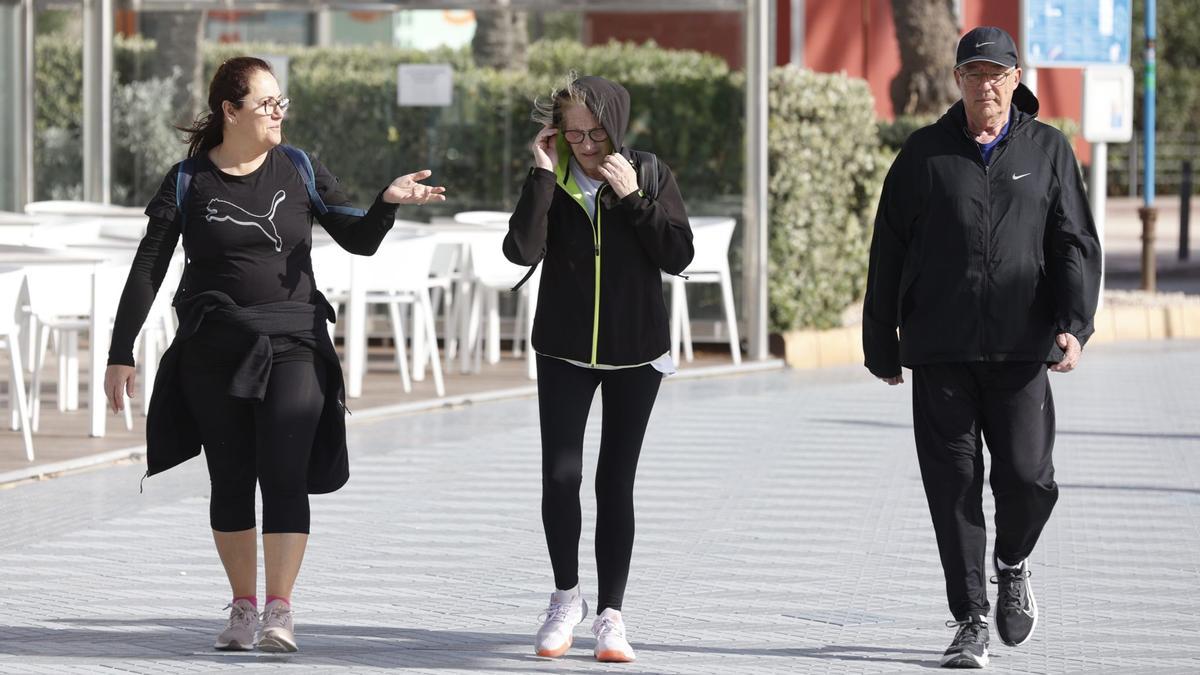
(1016, 177)
(221, 210)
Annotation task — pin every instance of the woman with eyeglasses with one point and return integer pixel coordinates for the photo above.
(252, 375)
(603, 240)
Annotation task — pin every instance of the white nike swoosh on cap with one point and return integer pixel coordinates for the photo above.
(980, 44)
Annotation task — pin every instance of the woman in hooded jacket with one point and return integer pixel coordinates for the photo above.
(603, 241)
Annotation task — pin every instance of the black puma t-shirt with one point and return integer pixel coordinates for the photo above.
(249, 237)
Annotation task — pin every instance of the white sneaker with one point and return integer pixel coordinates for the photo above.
(238, 635)
(276, 635)
(611, 645)
(567, 609)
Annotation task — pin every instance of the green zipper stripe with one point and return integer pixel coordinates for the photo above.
(596, 309)
(567, 182)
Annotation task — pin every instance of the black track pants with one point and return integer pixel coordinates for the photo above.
(956, 407)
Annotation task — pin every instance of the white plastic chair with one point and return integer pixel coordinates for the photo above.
(396, 276)
(445, 276)
(710, 265)
(60, 302)
(492, 273)
(11, 292)
(331, 271)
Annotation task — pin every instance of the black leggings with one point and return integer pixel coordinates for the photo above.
(565, 394)
(247, 441)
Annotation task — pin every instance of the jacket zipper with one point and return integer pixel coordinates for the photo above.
(596, 302)
(987, 234)
(594, 222)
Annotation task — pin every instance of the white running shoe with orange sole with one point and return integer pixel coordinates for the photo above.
(611, 645)
(567, 609)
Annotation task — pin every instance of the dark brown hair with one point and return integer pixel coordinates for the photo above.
(230, 83)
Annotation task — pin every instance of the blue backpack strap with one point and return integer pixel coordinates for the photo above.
(305, 168)
(183, 182)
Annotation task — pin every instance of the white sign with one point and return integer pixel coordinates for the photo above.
(424, 84)
(1108, 104)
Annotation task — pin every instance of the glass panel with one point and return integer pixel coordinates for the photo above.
(58, 104)
(10, 67)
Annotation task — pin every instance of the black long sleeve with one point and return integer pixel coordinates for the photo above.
(141, 286)
(358, 234)
(1073, 264)
(525, 243)
(889, 247)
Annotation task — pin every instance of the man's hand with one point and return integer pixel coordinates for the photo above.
(1071, 352)
(899, 379)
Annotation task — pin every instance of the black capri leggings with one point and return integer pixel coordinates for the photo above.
(565, 394)
(247, 442)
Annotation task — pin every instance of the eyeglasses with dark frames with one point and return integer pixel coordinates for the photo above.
(575, 136)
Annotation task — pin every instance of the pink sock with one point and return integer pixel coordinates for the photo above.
(273, 598)
(252, 599)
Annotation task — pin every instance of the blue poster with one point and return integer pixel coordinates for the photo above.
(1076, 33)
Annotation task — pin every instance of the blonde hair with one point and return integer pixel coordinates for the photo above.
(547, 110)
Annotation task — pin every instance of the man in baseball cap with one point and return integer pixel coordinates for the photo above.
(985, 257)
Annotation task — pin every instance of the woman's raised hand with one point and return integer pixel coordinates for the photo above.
(545, 155)
(409, 190)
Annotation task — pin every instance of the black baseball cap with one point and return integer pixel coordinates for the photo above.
(987, 43)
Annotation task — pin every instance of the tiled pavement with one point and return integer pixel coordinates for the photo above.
(781, 529)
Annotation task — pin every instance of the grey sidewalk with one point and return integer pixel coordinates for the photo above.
(782, 529)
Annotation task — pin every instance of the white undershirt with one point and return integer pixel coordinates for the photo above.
(589, 185)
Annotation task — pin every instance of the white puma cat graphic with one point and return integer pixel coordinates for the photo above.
(221, 210)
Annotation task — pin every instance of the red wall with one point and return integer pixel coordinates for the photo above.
(718, 33)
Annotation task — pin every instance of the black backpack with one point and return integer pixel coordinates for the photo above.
(646, 164)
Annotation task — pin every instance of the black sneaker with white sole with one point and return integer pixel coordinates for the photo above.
(970, 646)
(1016, 610)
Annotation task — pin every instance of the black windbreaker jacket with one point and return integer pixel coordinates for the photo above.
(600, 301)
(976, 262)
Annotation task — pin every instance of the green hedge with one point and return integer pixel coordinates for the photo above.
(344, 110)
(826, 171)
(142, 137)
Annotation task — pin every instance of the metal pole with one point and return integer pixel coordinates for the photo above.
(97, 100)
(1148, 212)
(1098, 196)
(1133, 165)
(26, 114)
(797, 33)
(755, 218)
(1185, 210)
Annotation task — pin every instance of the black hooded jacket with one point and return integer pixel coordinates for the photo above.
(600, 301)
(978, 262)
